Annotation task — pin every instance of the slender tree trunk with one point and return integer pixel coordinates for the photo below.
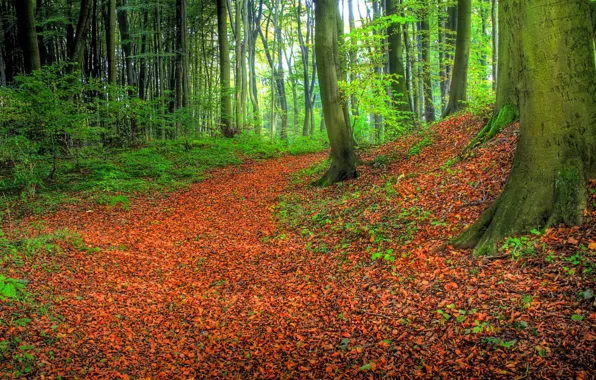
(343, 158)
(28, 34)
(76, 55)
(506, 106)
(142, 92)
(556, 150)
(227, 128)
(353, 57)
(459, 80)
(429, 108)
(495, 43)
(111, 41)
(409, 80)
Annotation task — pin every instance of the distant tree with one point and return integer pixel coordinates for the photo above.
(343, 157)
(111, 41)
(556, 152)
(399, 90)
(28, 34)
(227, 128)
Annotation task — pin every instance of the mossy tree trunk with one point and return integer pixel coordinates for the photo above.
(557, 102)
(459, 78)
(226, 126)
(343, 158)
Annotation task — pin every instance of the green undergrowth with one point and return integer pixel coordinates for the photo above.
(107, 176)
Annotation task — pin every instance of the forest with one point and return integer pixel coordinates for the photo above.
(297, 189)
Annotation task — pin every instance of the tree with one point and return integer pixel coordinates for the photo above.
(76, 55)
(28, 34)
(399, 90)
(506, 106)
(343, 158)
(227, 128)
(111, 41)
(556, 152)
(459, 77)
(429, 108)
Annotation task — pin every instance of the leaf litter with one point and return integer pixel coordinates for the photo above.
(253, 273)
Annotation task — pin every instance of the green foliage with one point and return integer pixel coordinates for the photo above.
(415, 150)
(521, 246)
(11, 288)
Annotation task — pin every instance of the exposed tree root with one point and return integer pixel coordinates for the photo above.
(337, 173)
(505, 116)
(526, 204)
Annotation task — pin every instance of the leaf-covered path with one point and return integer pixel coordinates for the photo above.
(206, 283)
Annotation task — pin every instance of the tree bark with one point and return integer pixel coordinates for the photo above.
(459, 79)
(343, 158)
(556, 148)
(506, 106)
(399, 89)
(495, 42)
(429, 108)
(28, 34)
(111, 41)
(76, 55)
(227, 128)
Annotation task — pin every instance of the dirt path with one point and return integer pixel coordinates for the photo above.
(196, 284)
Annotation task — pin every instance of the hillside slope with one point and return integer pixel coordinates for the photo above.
(254, 273)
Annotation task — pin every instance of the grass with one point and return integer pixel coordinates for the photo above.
(107, 176)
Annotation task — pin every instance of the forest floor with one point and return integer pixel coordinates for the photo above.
(254, 273)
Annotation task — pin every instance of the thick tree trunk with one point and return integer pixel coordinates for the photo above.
(227, 128)
(111, 41)
(343, 158)
(28, 34)
(557, 99)
(399, 89)
(459, 79)
(127, 46)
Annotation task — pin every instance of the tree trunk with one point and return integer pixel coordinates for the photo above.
(429, 108)
(506, 107)
(495, 43)
(399, 90)
(254, 19)
(353, 57)
(459, 79)
(557, 99)
(224, 70)
(343, 158)
(76, 55)
(28, 35)
(111, 41)
(142, 93)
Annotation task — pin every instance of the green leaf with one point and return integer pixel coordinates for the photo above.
(366, 367)
(9, 291)
(577, 318)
